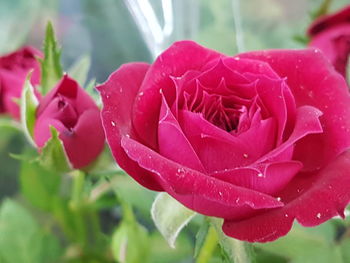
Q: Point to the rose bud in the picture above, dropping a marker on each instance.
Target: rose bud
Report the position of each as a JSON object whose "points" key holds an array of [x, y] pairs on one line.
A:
{"points": [[76, 117], [14, 68], [331, 34], [258, 139]]}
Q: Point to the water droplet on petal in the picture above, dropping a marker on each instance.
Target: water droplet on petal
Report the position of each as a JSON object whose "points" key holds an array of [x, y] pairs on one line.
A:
{"points": [[245, 155], [260, 175], [278, 198], [318, 215], [180, 172], [113, 123]]}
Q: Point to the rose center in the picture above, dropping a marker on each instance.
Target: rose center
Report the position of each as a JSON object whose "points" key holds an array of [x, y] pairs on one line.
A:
{"points": [[216, 108], [66, 113]]}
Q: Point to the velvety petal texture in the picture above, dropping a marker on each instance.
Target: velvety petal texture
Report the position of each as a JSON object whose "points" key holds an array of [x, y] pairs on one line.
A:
{"points": [[75, 115], [14, 68], [331, 34], [256, 139]]}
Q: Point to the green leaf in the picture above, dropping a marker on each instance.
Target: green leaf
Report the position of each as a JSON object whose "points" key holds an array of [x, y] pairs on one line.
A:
{"points": [[9, 123], [21, 239], [161, 252], [29, 103], [170, 217], [302, 39], [306, 245], [39, 185], [233, 250], [209, 244], [200, 237], [322, 10], [130, 242], [80, 69], [51, 68], [53, 155]]}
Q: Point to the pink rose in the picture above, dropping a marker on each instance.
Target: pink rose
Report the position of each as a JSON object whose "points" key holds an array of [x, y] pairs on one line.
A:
{"points": [[14, 68], [75, 115], [256, 139], [331, 34]]}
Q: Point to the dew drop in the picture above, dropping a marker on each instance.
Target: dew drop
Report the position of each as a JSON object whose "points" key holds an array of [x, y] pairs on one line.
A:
{"points": [[113, 123], [260, 175], [245, 155], [141, 94], [180, 172], [318, 215], [220, 193], [236, 58], [127, 135], [286, 215], [278, 198], [311, 94]]}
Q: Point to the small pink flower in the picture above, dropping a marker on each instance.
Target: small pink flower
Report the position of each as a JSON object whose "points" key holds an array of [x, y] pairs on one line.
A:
{"points": [[75, 115], [331, 34], [258, 139], [14, 68]]}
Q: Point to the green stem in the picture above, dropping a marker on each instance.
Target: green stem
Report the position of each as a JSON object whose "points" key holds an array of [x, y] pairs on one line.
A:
{"points": [[77, 207], [78, 188], [87, 225], [236, 250], [208, 248]]}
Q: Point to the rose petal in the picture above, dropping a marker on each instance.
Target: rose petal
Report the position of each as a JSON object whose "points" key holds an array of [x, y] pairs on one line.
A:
{"points": [[269, 178], [175, 61], [172, 142], [307, 122], [85, 142], [256, 67], [325, 41], [326, 197], [261, 137], [42, 131], [195, 190], [216, 148], [328, 21], [319, 86], [72, 93], [118, 95]]}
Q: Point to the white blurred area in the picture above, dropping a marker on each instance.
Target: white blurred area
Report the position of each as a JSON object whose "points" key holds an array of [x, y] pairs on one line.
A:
{"points": [[118, 31]]}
